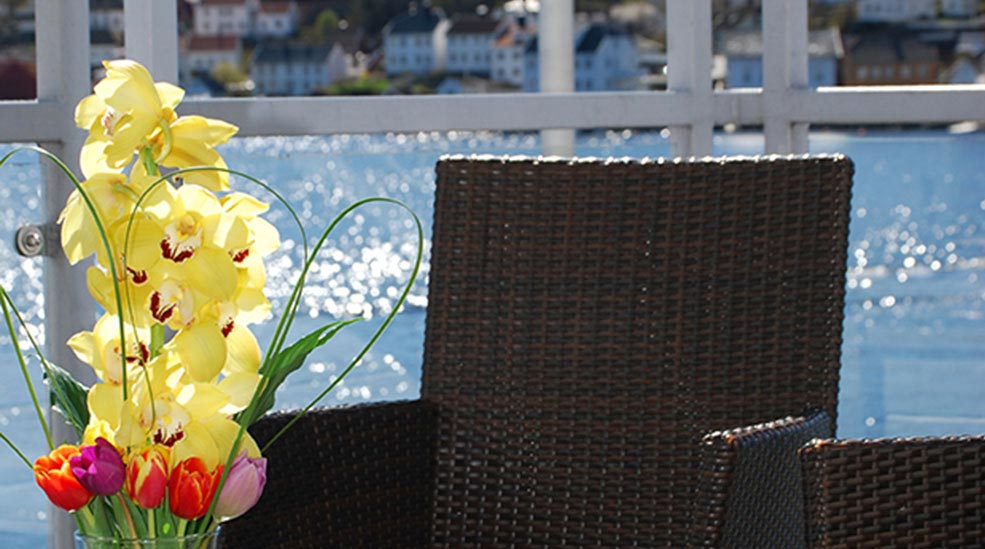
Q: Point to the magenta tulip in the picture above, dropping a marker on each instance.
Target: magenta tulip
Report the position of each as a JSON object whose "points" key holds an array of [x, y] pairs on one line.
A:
{"points": [[247, 477], [99, 468]]}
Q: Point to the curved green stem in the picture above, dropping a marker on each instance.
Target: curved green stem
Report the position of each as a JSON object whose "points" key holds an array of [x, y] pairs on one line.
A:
{"points": [[17, 451], [383, 326], [27, 377], [102, 235], [37, 348], [288, 317], [280, 329]]}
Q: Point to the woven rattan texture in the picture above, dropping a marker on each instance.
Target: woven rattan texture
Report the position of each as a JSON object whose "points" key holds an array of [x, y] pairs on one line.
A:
{"points": [[751, 489], [345, 477], [895, 493], [588, 322]]}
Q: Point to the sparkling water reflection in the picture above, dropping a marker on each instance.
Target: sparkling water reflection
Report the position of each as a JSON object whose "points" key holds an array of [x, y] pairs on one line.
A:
{"points": [[914, 333]]}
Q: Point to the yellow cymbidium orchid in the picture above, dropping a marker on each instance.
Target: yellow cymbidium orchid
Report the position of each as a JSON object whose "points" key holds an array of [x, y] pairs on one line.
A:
{"points": [[100, 349], [129, 112], [167, 408]]}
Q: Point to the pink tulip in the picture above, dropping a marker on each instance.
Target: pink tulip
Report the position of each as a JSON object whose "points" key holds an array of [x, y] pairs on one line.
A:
{"points": [[99, 468], [247, 477]]}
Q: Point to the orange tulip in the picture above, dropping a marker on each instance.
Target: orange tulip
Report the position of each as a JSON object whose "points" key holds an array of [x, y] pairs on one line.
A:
{"points": [[147, 477], [191, 487], [53, 474]]}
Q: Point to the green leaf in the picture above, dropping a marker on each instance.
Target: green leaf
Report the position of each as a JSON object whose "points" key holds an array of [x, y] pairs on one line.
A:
{"points": [[68, 396], [276, 369]]}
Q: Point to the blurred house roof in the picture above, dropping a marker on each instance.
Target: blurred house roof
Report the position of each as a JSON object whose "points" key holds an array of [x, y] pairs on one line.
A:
{"points": [[213, 43], [415, 21], [473, 24], [888, 45], [286, 52], [593, 35], [276, 7]]}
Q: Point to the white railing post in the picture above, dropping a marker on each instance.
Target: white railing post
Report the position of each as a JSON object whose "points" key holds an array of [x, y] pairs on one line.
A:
{"points": [[784, 73], [689, 72], [151, 32], [556, 59], [63, 79]]}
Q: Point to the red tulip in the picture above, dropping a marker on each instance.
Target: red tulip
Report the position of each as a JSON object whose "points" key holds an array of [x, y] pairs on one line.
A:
{"points": [[191, 487], [147, 477], [53, 474]]}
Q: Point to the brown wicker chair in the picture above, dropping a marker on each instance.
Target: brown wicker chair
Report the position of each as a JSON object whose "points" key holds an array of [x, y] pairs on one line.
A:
{"points": [[588, 323], [918, 492]]}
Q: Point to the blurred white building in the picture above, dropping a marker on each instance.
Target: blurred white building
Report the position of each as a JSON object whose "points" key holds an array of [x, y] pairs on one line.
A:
{"points": [[507, 57], [959, 8], [605, 59], [470, 45], [106, 15], [276, 19], [223, 17], [296, 69], [201, 54], [416, 41], [895, 11]]}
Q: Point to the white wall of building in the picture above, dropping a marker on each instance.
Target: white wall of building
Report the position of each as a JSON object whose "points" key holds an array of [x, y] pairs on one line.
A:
{"points": [[614, 65], [110, 20], [469, 53], [277, 24], [895, 10], [959, 8], [222, 19], [506, 64]]}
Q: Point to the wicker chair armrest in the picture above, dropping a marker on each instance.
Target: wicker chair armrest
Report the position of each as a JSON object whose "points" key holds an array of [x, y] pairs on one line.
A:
{"points": [[355, 476], [912, 492], [750, 487]]}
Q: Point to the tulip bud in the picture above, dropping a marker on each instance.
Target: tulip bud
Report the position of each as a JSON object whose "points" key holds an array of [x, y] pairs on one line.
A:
{"points": [[99, 468], [191, 487], [147, 477], [244, 484], [53, 474]]}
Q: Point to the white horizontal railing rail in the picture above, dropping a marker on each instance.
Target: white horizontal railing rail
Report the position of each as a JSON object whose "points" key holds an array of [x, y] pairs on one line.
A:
{"points": [[26, 121], [784, 107]]}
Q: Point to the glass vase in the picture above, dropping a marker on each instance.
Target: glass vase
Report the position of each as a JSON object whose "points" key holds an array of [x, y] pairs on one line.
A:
{"points": [[208, 540]]}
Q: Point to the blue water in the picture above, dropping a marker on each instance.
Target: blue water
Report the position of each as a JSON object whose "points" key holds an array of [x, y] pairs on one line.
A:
{"points": [[914, 351]]}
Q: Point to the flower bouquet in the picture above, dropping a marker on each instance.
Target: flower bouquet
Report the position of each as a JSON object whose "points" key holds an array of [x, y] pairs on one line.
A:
{"points": [[164, 453]]}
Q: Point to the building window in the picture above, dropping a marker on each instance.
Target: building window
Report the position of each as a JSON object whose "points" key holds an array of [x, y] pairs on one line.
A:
{"points": [[904, 71], [862, 73], [877, 72]]}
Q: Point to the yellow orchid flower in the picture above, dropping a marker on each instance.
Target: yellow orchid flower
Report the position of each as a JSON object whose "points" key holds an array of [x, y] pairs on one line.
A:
{"points": [[129, 112], [169, 409], [100, 349]]}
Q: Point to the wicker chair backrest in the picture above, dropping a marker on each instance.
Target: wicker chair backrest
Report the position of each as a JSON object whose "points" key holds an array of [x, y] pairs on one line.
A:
{"points": [[590, 321]]}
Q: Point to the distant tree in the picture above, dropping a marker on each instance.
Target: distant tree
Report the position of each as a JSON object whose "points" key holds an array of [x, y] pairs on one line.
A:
{"points": [[327, 21], [226, 73], [324, 24]]}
